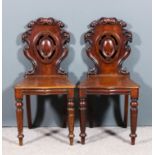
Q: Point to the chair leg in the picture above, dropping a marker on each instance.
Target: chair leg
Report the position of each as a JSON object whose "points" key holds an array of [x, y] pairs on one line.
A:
{"points": [[28, 108], [134, 113], [19, 116], [82, 119], [126, 111], [70, 109]]}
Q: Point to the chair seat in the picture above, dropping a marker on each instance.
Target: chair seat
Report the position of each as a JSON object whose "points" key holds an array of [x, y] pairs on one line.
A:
{"points": [[108, 82], [44, 82]]}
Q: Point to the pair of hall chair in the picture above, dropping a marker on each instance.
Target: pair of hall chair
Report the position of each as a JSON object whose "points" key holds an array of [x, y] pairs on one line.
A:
{"points": [[107, 47]]}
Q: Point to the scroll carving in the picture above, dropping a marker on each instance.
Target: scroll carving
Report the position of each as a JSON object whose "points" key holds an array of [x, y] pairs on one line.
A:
{"points": [[108, 45], [45, 47]]}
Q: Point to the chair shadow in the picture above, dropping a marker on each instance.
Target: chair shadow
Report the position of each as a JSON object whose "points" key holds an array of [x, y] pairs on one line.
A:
{"points": [[49, 134], [58, 136], [98, 106], [105, 133], [58, 103], [55, 134], [9, 140]]}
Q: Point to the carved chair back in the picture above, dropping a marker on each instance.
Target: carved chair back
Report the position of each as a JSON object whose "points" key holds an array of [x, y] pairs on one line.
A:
{"points": [[108, 45], [45, 46]]}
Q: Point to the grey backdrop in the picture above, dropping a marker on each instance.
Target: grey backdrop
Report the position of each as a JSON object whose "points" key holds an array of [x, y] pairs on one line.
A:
{"points": [[77, 15]]}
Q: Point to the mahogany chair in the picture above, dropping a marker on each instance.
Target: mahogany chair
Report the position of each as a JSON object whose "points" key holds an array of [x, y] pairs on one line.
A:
{"points": [[108, 47], [46, 48]]}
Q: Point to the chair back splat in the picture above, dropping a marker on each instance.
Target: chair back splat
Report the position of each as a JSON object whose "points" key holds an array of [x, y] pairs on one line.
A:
{"points": [[45, 46], [108, 45]]}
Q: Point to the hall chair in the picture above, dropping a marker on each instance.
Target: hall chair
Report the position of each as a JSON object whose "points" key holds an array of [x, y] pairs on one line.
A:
{"points": [[46, 47], [107, 46]]}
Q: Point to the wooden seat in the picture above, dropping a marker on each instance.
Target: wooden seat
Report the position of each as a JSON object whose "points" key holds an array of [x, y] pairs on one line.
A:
{"points": [[108, 47], [45, 47], [108, 82], [45, 82]]}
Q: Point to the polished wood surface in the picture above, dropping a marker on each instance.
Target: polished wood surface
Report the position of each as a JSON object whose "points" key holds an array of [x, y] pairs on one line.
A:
{"points": [[107, 46], [46, 47], [45, 82], [108, 82]]}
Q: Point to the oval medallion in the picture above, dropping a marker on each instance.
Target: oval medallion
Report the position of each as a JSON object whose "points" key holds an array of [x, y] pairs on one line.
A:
{"points": [[45, 47], [108, 49]]}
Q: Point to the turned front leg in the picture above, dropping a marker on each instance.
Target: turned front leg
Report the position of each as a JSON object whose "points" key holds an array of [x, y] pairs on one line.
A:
{"points": [[71, 119], [19, 116], [82, 119], [134, 114]]}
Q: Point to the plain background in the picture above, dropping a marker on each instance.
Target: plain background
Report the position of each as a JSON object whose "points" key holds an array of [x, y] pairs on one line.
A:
{"points": [[77, 15]]}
